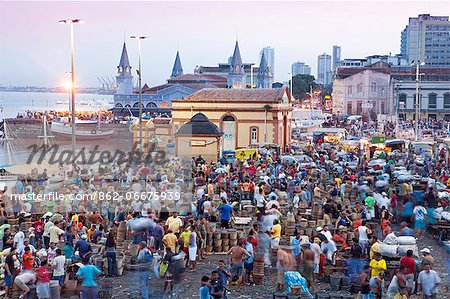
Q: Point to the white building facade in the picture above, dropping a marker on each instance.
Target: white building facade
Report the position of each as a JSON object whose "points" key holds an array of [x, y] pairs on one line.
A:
{"points": [[363, 93], [434, 99]]}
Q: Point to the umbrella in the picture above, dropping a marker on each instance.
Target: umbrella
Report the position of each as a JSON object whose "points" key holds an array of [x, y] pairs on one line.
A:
{"points": [[221, 170]]}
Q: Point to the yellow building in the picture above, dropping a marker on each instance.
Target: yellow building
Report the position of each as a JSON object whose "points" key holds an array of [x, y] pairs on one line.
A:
{"points": [[245, 116]]}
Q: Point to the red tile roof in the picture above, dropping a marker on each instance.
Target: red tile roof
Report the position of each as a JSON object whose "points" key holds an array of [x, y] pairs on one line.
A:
{"points": [[235, 95]]}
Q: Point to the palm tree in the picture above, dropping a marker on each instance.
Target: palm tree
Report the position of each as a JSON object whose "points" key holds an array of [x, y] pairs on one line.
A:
{"points": [[266, 107]]}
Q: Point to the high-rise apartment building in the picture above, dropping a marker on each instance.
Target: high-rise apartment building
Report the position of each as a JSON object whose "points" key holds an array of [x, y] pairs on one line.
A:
{"points": [[324, 73], [300, 68], [427, 39], [336, 56]]}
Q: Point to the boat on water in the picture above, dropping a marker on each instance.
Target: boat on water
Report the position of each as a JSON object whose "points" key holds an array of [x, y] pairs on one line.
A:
{"points": [[64, 131], [305, 121]]}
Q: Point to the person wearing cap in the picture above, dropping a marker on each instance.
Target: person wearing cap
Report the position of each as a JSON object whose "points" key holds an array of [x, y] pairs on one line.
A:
{"points": [[84, 248], [427, 258]]}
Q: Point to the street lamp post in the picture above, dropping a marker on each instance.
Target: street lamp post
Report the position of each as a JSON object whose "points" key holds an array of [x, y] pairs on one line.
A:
{"points": [[290, 85], [418, 64], [72, 54], [139, 71]]}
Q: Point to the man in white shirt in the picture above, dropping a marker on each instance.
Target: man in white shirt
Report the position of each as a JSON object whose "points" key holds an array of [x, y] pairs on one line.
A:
{"points": [[260, 201], [19, 240], [428, 282], [329, 248], [317, 252], [326, 232], [363, 238], [46, 233], [58, 267]]}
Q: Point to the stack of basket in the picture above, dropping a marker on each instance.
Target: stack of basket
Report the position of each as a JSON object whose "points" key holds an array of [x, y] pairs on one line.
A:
{"points": [[258, 269], [315, 212], [233, 237], [218, 240], [225, 241], [121, 233], [209, 242]]}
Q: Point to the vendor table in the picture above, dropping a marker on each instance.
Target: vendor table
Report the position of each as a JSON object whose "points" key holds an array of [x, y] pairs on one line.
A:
{"points": [[442, 229]]}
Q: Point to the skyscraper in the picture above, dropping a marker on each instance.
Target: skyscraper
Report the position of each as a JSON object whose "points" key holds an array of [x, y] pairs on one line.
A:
{"points": [[300, 68], [324, 73], [336, 56], [269, 54], [427, 39]]}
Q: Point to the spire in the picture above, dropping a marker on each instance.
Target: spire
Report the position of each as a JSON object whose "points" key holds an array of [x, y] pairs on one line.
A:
{"points": [[264, 74], [124, 62], [263, 68], [236, 60], [177, 69]]}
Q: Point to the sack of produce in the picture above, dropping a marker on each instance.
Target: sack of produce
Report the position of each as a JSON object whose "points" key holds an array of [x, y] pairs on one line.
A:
{"points": [[388, 250], [406, 240]]}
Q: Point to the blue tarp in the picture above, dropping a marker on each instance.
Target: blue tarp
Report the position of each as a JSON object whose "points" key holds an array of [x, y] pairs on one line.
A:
{"points": [[293, 278]]}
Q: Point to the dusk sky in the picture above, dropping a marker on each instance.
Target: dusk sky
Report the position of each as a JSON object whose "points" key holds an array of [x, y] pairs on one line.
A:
{"points": [[34, 48]]}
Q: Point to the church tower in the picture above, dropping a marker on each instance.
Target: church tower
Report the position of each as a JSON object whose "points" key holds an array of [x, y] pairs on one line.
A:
{"points": [[264, 73], [124, 78], [177, 69], [236, 74]]}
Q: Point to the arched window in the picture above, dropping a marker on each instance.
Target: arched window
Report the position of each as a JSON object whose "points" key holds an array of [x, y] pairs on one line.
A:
{"points": [[127, 106], [136, 105], [228, 118], [119, 105], [432, 101], [447, 101], [151, 105]]}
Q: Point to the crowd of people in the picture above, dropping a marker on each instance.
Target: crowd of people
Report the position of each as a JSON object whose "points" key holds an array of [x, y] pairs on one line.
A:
{"points": [[348, 201]]}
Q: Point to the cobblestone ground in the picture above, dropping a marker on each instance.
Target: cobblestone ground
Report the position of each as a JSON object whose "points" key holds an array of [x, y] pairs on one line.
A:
{"points": [[126, 286]]}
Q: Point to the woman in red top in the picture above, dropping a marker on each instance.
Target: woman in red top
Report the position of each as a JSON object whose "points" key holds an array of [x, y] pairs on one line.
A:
{"points": [[43, 281]]}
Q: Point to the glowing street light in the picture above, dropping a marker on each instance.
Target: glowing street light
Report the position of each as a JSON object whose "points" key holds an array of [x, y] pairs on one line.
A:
{"points": [[139, 71], [71, 22]]}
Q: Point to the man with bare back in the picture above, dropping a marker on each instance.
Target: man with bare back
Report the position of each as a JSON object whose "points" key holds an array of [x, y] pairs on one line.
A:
{"points": [[238, 255], [307, 259]]}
